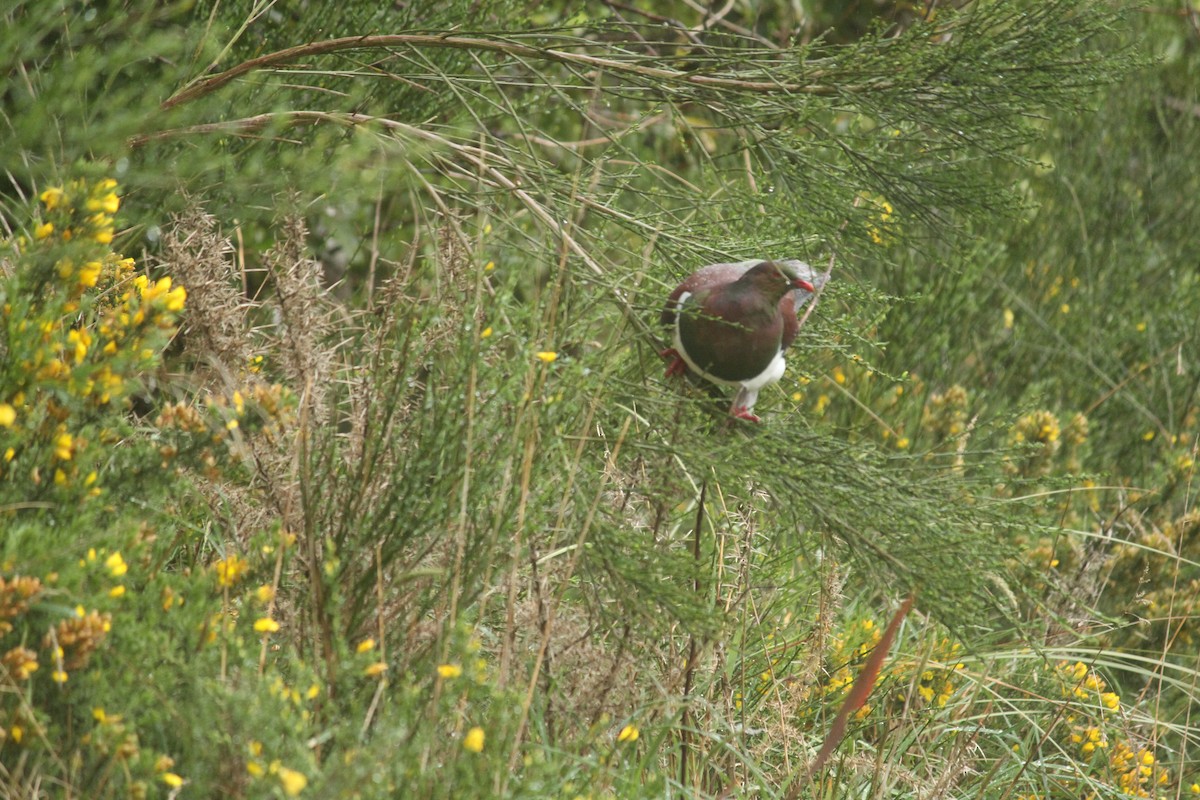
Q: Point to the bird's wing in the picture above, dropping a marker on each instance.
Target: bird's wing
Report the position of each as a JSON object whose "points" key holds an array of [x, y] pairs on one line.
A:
{"points": [[704, 278], [718, 274], [727, 350]]}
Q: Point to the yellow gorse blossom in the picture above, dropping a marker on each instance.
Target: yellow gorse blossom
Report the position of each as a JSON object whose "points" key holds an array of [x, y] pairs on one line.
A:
{"points": [[89, 274], [116, 565], [51, 197], [230, 570], [20, 662], [473, 741], [108, 203], [293, 782], [62, 447]]}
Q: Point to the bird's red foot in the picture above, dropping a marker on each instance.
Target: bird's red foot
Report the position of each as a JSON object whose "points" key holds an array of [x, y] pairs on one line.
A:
{"points": [[741, 412], [677, 366]]}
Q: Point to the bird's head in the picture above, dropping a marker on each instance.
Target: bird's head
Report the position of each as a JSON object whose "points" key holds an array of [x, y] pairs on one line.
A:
{"points": [[775, 279]]}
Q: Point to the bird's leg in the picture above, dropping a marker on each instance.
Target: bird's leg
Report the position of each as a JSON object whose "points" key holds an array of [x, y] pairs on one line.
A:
{"points": [[677, 366], [744, 413], [743, 404]]}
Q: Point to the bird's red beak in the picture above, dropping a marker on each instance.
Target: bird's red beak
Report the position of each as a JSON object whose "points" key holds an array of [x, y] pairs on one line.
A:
{"points": [[800, 283]]}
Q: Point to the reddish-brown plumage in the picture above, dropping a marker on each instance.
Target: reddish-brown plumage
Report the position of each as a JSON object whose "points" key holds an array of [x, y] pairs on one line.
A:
{"points": [[731, 324], [722, 274]]}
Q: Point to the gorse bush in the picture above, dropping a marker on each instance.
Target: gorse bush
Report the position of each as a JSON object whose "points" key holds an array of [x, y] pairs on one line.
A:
{"points": [[360, 479], [81, 332]]}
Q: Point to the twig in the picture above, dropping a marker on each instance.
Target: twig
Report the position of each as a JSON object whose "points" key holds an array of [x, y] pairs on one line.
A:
{"points": [[685, 735], [204, 86], [858, 694]]}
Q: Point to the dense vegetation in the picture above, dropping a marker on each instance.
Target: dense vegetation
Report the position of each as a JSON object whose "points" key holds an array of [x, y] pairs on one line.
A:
{"points": [[336, 458]]}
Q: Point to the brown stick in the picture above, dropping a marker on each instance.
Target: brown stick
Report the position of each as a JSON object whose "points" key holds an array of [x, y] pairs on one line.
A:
{"points": [[685, 734], [860, 691]]}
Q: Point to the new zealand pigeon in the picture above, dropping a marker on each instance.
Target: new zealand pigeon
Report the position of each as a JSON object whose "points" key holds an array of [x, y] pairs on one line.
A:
{"points": [[731, 323]]}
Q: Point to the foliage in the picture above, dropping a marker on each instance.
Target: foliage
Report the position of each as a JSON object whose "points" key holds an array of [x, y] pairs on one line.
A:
{"points": [[360, 479]]}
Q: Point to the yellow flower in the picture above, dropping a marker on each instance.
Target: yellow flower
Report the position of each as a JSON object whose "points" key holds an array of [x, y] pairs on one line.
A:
{"points": [[473, 741], [176, 298], [486, 332], [62, 447], [1110, 700], [266, 625], [902, 443], [449, 670], [365, 645], [376, 669], [1009, 319], [109, 203], [264, 593], [488, 267], [628, 734], [117, 591], [89, 273], [21, 661], [8, 415], [58, 676], [230, 570], [51, 197], [547, 356], [255, 769], [43, 230], [172, 780], [116, 565], [293, 782], [312, 692]]}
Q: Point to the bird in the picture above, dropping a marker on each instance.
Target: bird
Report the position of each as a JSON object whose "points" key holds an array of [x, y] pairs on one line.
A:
{"points": [[731, 323]]}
